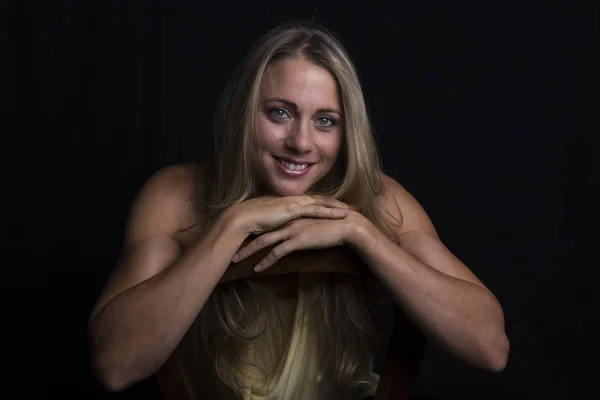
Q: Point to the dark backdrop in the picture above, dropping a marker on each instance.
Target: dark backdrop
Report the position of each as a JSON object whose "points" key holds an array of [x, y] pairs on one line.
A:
{"points": [[486, 111]]}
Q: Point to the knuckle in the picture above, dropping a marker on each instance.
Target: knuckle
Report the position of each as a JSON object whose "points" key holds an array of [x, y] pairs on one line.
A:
{"points": [[292, 208], [276, 253], [262, 240]]}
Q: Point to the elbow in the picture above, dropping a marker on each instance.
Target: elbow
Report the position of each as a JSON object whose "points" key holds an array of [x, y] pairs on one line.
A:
{"points": [[116, 370], [111, 384], [497, 354], [110, 378], [116, 374], [104, 369], [109, 371], [496, 348]]}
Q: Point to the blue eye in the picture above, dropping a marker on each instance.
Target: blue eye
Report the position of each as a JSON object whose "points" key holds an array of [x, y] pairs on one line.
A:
{"points": [[277, 113], [325, 122]]}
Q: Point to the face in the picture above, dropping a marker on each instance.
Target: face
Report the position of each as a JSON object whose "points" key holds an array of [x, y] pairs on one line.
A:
{"points": [[299, 126]]}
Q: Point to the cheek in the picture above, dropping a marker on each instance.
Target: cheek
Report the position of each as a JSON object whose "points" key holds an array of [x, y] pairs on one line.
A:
{"points": [[333, 145], [268, 134], [261, 131]]}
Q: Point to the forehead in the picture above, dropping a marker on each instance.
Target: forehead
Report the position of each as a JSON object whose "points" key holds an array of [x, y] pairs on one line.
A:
{"points": [[301, 82]]}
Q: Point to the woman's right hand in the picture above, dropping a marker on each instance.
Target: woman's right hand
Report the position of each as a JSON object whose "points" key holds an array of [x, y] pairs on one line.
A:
{"points": [[267, 213]]}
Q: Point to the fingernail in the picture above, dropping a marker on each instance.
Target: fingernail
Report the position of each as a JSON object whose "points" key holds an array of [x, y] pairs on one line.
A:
{"points": [[257, 268]]}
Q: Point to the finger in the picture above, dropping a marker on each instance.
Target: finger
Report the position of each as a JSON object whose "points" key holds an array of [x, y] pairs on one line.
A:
{"points": [[275, 255], [331, 202], [325, 201], [263, 241], [315, 211]]}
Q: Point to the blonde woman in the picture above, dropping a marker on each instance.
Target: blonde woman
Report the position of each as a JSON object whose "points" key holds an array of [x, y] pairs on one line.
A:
{"points": [[295, 171]]}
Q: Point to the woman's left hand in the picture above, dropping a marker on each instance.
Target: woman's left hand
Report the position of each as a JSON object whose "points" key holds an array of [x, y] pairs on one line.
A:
{"points": [[300, 234]]}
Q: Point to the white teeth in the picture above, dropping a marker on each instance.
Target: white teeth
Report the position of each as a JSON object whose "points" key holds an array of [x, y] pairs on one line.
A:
{"points": [[293, 167]]}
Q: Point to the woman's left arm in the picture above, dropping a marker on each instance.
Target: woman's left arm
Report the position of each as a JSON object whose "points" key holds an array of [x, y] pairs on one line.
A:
{"points": [[434, 288]]}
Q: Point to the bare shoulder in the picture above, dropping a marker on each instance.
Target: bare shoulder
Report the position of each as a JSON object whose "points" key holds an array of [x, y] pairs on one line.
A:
{"points": [[417, 234], [399, 204], [163, 205], [167, 203]]}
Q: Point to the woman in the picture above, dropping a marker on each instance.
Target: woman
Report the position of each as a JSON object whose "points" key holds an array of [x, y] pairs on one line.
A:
{"points": [[295, 169]]}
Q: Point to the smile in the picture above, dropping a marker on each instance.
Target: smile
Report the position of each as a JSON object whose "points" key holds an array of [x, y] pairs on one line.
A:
{"points": [[291, 169]]}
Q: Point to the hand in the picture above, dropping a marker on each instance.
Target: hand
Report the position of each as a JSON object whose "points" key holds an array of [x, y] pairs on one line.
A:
{"points": [[301, 234], [267, 213]]}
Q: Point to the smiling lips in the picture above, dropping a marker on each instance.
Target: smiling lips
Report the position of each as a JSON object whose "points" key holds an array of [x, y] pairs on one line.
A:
{"points": [[291, 169]]}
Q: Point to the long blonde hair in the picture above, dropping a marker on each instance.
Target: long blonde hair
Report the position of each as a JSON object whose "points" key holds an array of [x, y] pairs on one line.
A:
{"points": [[239, 312]]}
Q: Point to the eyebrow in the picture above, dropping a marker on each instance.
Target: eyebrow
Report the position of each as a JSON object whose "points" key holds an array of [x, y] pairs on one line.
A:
{"points": [[293, 105]]}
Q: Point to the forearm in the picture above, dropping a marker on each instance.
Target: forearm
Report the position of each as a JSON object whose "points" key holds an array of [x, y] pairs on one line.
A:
{"points": [[137, 331], [461, 316]]}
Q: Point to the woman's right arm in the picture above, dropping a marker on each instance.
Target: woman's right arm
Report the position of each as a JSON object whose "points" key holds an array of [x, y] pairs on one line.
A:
{"points": [[155, 291]]}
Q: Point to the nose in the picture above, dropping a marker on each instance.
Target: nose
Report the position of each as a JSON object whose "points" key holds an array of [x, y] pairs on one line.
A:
{"points": [[299, 138]]}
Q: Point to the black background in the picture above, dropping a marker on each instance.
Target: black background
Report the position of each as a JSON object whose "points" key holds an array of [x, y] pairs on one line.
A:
{"points": [[487, 112]]}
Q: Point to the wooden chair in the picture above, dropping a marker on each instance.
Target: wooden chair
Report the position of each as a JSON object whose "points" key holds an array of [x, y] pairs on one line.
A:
{"points": [[404, 352]]}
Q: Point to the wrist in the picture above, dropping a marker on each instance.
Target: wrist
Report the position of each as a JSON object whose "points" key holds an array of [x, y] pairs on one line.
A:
{"points": [[232, 223], [357, 230]]}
